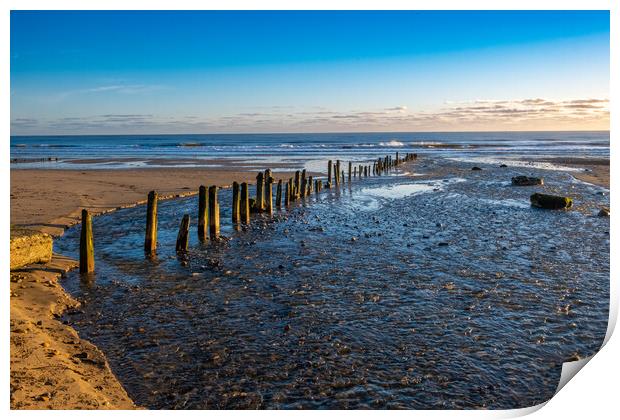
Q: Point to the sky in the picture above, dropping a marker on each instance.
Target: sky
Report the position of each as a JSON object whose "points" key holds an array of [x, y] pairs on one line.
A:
{"points": [[147, 72]]}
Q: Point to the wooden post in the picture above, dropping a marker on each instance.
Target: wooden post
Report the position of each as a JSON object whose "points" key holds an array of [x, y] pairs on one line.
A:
{"points": [[267, 176], [396, 158], [291, 191], [87, 247], [245, 203], [279, 194], [183, 235], [329, 171], [350, 166], [355, 172], [297, 183], [287, 196], [338, 172], [310, 185], [303, 188], [214, 213], [260, 196], [317, 189], [342, 173], [150, 239], [269, 196], [235, 203], [203, 217]]}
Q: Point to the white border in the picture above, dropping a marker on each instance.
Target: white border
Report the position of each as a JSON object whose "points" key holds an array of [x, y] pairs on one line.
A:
{"points": [[593, 394]]}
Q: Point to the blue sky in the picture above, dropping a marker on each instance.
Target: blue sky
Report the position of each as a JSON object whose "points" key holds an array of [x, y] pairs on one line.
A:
{"points": [[203, 72]]}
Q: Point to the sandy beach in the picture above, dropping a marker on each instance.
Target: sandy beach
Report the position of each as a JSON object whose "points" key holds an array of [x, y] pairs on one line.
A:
{"points": [[596, 170], [51, 200], [51, 366]]}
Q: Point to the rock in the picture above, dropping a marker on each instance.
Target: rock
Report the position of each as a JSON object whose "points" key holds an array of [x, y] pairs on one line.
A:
{"points": [[503, 165], [28, 247], [476, 168], [604, 212], [553, 202], [522, 181]]}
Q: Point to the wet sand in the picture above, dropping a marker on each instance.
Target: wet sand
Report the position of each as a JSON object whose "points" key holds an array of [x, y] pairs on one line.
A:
{"points": [[51, 367], [297, 311], [596, 170]]}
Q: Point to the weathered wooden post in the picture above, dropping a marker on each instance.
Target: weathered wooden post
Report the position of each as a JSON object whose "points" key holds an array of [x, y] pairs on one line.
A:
{"points": [[303, 188], [297, 183], [350, 167], [203, 217], [397, 159], [235, 202], [260, 195], [183, 235], [317, 189], [365, 171], [287, 196], [87, 247], [150, 238], [214, 213], [267, 176], [338, 179], [269, 196], [291, 191], [355, 172], [279, 194], [329, 171], [310, 189], [245, 203]]}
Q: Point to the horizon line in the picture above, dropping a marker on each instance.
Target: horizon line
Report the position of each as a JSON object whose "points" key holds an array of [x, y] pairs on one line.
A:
{"points": [[302, 132]]}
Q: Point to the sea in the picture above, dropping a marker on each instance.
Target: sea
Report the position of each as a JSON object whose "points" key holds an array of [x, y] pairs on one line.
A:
{"points": [[134, 151]]}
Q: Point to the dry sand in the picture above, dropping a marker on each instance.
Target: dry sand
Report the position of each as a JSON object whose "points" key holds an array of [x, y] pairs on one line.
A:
{"points": [[51, 367]]}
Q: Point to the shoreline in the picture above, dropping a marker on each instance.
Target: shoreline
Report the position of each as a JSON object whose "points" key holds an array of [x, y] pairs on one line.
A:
{"points": [[51, 367], [38, 300], [81, 378], [50, 200]]}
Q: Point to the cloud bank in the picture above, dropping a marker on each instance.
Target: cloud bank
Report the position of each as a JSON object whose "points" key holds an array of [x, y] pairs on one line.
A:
{"points": [[478, 115]]}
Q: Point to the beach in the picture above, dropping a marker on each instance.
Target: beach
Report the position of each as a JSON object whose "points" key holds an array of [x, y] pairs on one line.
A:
{"points": [[45, 372], [51, 200], [109, 190]]}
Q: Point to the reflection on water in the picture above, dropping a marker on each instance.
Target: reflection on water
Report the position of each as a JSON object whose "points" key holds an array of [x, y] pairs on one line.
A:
{"points": [[441, 293]]}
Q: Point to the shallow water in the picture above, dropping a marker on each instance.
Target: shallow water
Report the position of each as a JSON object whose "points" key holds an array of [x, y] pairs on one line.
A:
{"points": [[439, 290], [309, 149]]}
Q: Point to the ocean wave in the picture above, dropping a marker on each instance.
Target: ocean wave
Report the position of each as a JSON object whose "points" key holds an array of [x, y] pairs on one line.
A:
{"points": [[391, 143]]}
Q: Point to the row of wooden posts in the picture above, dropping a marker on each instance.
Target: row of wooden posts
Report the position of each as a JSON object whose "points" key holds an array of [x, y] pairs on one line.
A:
{"points": [[298, 186]]}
